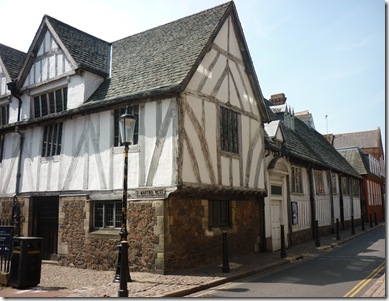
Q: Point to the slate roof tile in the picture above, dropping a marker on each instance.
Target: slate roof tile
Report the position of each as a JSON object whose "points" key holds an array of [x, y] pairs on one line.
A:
{"points": [[13, 60], [159, 58], [89, 52]]}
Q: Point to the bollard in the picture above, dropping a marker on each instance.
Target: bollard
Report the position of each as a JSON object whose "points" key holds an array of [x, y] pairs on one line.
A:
{"points": [[371, 221], [337, 229], [363, 222], [283, 248], [352, 225], [226, 266], [317, 243], [375, 218]]}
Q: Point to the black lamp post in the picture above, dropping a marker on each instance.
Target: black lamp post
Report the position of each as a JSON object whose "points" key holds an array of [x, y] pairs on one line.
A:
{"points": [[126, 127]]}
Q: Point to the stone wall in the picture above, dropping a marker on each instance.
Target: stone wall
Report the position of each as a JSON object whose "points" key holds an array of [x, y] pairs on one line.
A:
{"points": [[143, 235], [189, 242], [76, 247], [81, 247]]}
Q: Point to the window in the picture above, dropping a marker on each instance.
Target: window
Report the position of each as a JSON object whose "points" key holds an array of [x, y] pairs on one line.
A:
{"points": [[334, 183], [107, 215], [345, 187], [119, 112], [219, 213], [276, 190], [297, 180], [51, 102], [229, 131], [52, 137], [355, 188], [2, 137], [4, 117], [319, 182]]}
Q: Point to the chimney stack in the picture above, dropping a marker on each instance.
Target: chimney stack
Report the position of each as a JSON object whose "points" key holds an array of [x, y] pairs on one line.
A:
{"points": [[278, 99]]}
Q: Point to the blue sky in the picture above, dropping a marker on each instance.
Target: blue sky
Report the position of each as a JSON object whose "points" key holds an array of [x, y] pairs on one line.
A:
{"points": [[327, 56]]}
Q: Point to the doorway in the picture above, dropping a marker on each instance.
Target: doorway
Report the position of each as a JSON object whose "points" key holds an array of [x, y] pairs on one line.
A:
{"points": [[45, 224]]}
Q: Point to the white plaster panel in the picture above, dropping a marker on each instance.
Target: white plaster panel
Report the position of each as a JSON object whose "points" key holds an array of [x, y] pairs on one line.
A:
{"points": [[234, 46], [187, 169], [163, 174], [225, 170], [3, 86], [60, 66], [235, 172], [203, 70], [47, 41], [52, 66], [221, 38], [150, 130], [216, 72], [45, 68], [67, 66], [222, 94], [211, 126]]}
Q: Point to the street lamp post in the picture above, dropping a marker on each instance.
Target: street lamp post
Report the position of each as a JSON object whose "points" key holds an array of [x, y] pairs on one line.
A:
{"points": [[126, 127]]}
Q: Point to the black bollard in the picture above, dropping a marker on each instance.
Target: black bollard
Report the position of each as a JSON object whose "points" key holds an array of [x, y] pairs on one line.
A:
{"points": [[317, 243], [371, 221], [283, 248], [375, 218], [337, 229], [226, 266], [352, 225], [363, 222]]}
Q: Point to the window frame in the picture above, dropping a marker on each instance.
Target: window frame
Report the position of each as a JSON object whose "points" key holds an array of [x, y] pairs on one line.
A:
{"points": [[345, 184], [49, 102], [297, 182], [334, 183], [52, 136], [229, 130], [116, 214], [356, 188], [116, 115], [219, 213], [319, 182]]}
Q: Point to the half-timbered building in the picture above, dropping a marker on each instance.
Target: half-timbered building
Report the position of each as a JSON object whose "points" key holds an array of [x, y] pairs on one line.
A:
{"points": [[196, 167], [310, 185]]}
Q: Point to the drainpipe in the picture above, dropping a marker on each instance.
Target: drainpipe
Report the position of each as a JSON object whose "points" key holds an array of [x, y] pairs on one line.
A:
{"points": [[312, 200], [329, 178], [15, 207]]}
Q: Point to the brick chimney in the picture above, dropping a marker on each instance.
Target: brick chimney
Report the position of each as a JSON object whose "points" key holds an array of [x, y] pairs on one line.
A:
{"points": [[278, 99]]}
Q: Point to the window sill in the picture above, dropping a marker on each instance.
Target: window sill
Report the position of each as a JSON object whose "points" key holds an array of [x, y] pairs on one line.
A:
{"points": [[106, 233]]}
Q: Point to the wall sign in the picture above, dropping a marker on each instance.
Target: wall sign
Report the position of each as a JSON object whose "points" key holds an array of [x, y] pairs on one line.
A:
{"points": [[295, 214], [6, 234]]}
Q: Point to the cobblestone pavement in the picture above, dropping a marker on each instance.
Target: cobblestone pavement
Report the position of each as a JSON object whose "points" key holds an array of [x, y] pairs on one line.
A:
{"points": [[59, 281]]}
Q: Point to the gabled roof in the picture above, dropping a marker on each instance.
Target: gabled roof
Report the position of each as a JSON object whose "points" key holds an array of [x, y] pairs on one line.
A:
{"points": [[365, 139], [12, 59], [160, 58], [357, 158], [164, 58], [306, 144], [85, 51]]}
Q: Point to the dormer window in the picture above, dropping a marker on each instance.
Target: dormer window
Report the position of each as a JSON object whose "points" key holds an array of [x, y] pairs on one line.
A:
{"points": [[50, 102]]}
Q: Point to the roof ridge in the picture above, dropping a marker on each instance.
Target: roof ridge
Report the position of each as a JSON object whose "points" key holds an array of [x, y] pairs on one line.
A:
{"points": [[177, 20], [72, 27]]}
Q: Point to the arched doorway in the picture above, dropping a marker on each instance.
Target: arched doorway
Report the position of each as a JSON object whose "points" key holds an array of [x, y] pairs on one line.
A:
{"points": [[279, 171]]}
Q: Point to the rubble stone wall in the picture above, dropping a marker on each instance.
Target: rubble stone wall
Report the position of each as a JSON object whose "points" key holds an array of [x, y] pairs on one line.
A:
{"points": [[189, 242]]}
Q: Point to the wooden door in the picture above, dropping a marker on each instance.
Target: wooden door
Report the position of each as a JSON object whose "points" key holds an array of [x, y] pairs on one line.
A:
{"points": [[45, 210]]}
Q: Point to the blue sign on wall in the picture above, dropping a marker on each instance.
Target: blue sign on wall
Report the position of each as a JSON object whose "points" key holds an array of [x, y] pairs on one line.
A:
{"points": [[6, 234]]}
